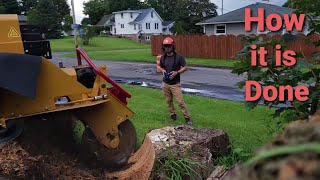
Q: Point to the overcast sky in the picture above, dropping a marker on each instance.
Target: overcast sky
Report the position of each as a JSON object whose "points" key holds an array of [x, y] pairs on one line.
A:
{"points": [[228, 5]]}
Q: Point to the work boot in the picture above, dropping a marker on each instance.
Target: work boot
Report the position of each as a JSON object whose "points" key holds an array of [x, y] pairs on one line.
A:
{"points": [[173, 117], [189, 121]]}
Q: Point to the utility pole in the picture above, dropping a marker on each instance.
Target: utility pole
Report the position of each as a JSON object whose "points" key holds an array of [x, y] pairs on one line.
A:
{"points": [[222, 7], [74, 22]]}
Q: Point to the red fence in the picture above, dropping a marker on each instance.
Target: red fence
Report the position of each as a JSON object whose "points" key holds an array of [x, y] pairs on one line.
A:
{"points": [[225, 47]]}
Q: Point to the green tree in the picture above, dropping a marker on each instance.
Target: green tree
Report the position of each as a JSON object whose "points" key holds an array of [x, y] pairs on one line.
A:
{"points": [[62, 8], [27, 5], [67, 22], [2, 10], [119, 5], [287, 4], [45, 13], [96, 9], [166, 9], [9, 7], [186, 12], [311, 9], [85, 21], [87, 33]]}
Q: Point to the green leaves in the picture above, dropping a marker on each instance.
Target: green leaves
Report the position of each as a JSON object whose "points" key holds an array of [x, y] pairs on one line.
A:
{"points": [[316, 56], [301, 63], [304, 72], [251, 105]]}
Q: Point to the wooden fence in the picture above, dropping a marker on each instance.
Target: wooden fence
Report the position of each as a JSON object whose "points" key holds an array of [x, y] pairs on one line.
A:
{"points": [[226, 47]]}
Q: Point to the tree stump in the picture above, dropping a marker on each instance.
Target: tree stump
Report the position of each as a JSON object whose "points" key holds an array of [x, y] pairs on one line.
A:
{"points": [[198, 145]]}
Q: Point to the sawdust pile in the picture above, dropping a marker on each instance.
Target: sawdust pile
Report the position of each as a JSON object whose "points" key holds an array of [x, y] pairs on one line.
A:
{"points": [[44, 151]]}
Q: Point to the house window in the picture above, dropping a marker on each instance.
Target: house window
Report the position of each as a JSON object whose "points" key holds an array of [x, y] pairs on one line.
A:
{"points": [[147, 37], [122, 15], [122, 26], [221, 29], [135, 28], [147, 25], [140, 26], [156, 25], [131, 15], [151, 14], [115, 30]]}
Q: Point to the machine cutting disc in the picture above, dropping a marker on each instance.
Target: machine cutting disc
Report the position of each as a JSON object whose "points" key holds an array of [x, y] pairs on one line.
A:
{"points": [[13, 130], [93, 151]]}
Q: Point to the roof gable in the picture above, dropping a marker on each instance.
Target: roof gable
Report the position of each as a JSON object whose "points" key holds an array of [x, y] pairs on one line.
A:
{"points": [[238, 15], [144, 13], [105, 19], [166, 23]]}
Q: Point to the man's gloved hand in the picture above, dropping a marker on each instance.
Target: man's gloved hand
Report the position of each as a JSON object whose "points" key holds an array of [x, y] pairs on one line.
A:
{"points": [[167, 75], [173, 74]]}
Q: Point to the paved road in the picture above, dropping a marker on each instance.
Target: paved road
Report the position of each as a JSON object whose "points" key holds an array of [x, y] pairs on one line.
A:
{"points": [[212, 82]]}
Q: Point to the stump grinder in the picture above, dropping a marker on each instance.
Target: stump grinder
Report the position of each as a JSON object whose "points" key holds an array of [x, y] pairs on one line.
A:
{"points": [[32, 86]]}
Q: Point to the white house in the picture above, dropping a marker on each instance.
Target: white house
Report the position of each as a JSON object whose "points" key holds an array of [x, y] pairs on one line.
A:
{"points": [[137, 24]]}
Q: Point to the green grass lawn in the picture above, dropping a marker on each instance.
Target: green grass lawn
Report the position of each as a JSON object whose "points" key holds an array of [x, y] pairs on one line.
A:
{"points": [[144, 55], [97, 44], [246, 129], [121, 49]]}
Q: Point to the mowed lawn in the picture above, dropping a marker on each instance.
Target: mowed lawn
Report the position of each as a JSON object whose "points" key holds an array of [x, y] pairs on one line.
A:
{"points": [[121, 49], [246, 129], [97, 44], [144, 55]]}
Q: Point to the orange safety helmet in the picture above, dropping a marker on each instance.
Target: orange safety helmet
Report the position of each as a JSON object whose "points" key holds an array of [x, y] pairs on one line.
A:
{"points": [[168, 41]]}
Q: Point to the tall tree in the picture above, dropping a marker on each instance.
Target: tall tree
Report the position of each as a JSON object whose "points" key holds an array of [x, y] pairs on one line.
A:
{"points": [[2, 9], [186, 13], [61, 6], [166, 9], [27, 5], [45, 13], [96, 9], [67, 22], [9, 7], [119, 5], [310, 8]]}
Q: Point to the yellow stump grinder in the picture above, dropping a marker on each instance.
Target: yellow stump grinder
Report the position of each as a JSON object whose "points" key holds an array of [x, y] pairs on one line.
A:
{"points": [[31, 85]]}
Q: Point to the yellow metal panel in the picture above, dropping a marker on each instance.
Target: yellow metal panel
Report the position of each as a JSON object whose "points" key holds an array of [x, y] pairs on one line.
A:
{"points": [[71, 72], [104, 119], [52, 83], [10, 34]]}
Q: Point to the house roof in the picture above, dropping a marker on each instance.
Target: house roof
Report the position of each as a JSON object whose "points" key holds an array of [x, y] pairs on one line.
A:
{"points": [[166, 23], [238, 15], [142, 15], [105, 19]]}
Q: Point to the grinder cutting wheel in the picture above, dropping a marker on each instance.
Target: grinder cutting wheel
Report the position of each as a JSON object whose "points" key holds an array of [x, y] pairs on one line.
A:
{"points": [[36, 87]]}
